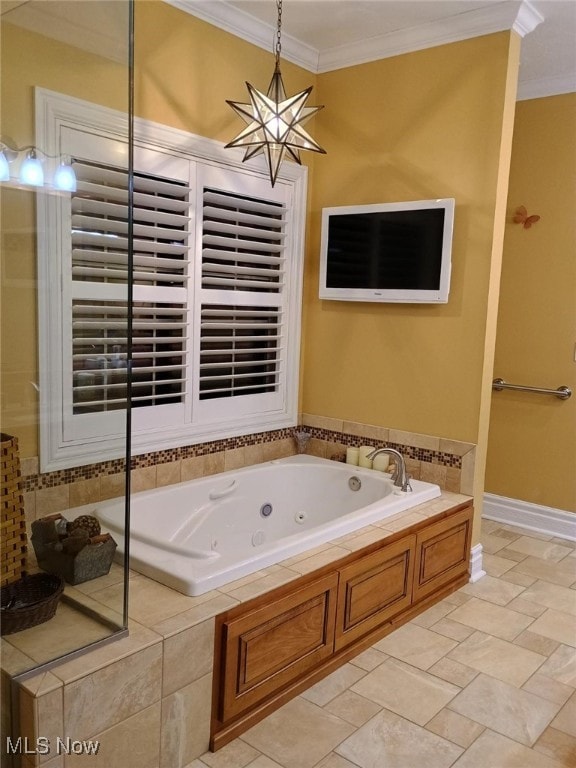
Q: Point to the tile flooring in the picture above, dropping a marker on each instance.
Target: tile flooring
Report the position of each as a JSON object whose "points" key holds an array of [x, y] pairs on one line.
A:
{"points": [[484, 679]]}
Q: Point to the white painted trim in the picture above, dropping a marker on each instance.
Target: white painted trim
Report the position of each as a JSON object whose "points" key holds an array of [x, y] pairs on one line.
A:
{"points": [[54, 110], [546, 86], [476, 570], [527, 19], [522, 17], [533, 517]]}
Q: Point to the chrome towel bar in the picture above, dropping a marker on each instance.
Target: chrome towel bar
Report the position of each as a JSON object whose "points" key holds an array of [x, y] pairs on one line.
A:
{"points": [[562, 392]]}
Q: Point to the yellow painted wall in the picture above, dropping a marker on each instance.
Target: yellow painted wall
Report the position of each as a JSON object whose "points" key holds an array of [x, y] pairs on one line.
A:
{"points": [[422, 125], [185, 69], [532, 443]]}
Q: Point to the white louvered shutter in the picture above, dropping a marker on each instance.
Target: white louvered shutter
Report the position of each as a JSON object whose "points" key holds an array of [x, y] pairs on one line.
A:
{"points": [[99, 310], [241, 297]]}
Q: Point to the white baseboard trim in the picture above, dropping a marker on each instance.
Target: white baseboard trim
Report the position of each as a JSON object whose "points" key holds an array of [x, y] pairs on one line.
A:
{"points": [[476, 570], [533, 517]]}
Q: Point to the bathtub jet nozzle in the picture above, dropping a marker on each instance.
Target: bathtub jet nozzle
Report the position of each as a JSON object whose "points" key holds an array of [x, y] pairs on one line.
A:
{"points": [[266, 510], [355, 483]]}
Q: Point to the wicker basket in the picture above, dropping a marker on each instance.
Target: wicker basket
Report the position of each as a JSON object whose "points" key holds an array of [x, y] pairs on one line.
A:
{"points": [[29, 601], [13, 524]]}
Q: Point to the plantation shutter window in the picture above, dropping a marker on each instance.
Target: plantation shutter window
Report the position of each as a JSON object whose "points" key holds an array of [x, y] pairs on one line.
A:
{"points": [[240, 351], [242, 243], [99, 355], [241, 296], [99, 275], [217, 258]]}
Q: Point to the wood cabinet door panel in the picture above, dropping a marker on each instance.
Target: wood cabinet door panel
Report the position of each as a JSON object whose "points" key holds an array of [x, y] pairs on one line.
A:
{"points": [[442, 553], [277, 644], [373, 589], [271, 646]]}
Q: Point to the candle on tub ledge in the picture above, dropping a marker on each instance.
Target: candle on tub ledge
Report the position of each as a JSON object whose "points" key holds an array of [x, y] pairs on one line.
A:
{"points": [[381, 462], [363, 451], [352, 456]]}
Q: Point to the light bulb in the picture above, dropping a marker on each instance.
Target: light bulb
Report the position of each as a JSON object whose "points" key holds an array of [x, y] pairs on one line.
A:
{"points": [[31, 171], [4, 169], [65, 178]]}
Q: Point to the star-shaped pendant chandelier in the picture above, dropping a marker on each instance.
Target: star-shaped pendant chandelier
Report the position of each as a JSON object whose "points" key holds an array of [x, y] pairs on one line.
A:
{"points": [[274, 122]]}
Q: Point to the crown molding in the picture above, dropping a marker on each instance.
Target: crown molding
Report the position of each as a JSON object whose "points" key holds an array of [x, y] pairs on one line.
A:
{"points": [[546, 86], [523, 18], [527, 19], [520, 16]]}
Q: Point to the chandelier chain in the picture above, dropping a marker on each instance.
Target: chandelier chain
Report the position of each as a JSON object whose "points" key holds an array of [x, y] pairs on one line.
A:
{"points": [[278, 47]]}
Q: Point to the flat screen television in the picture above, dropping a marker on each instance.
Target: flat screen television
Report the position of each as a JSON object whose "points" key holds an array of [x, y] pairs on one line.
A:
{"points": [[389, 252]]}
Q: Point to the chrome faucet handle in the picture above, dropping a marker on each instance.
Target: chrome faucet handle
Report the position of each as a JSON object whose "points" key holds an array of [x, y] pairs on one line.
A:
{"points": [[406, 487]]}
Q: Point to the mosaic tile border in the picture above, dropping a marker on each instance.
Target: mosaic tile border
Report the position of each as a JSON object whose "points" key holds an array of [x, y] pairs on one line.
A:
{"points": [[38, 482], [408, 451]]}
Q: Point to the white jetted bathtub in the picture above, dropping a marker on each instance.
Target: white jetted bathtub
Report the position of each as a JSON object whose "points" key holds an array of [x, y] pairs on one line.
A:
{"points": [[201, 534]]}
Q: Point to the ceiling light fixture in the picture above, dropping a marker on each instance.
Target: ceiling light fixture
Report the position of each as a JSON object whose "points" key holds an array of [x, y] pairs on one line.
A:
{"points": [[274, 122]]}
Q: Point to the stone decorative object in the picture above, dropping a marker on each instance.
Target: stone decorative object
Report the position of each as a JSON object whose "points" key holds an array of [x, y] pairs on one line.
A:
{"points": [[70, 550], [89, 523]]}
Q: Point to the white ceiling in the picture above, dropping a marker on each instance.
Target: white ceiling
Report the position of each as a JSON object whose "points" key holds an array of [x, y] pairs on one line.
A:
{"points": [[322, 35]]}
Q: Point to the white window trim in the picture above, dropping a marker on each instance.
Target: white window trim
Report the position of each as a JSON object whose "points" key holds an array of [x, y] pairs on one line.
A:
{"points": [[55, 111]]}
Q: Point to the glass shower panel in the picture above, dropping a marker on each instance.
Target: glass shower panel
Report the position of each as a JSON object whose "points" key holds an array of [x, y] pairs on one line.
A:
{"points": [[65, 267]]}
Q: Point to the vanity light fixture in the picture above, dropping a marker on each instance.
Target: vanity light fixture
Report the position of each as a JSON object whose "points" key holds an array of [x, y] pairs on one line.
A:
{"points": [[31, 171], [274, 122], [65, 178], [4, 167]]}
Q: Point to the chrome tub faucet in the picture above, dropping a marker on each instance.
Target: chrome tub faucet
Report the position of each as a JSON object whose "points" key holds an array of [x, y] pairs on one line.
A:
{"points": [[400, 477]]}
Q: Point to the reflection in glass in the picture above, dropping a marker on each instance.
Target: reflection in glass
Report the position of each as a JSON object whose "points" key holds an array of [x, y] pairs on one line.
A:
{"points": [[75, 51]]}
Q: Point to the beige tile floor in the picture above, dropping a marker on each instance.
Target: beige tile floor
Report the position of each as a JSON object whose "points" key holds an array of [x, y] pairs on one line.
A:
{"points": [[484, 679]]}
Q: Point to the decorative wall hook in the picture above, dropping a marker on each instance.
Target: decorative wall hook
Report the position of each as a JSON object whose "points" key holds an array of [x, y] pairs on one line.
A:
{"points": [[521, 217]]}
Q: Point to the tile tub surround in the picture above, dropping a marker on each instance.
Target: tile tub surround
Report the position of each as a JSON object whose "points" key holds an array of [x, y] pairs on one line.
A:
{"points": [[448, 463], [154, 688], [467, 697]]}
